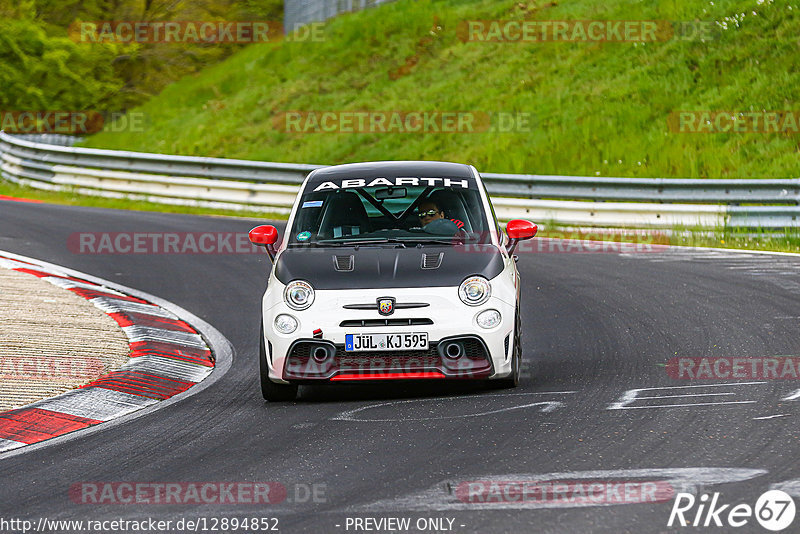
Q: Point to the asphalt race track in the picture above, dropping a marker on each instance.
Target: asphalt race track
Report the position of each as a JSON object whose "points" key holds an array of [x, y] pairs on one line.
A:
{"points": [[596, 326]]}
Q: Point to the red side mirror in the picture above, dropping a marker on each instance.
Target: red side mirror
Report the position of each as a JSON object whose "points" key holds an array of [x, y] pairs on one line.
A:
{"points": [[521, 229], [264, 235]]}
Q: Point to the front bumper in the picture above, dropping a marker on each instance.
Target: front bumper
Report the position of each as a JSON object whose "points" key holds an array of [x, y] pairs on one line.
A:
{"points": [[455, 357], [291, 358]]}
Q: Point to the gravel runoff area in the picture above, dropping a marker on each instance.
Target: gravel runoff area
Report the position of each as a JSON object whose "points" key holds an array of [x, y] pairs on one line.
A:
{"points": [[51, 340]]}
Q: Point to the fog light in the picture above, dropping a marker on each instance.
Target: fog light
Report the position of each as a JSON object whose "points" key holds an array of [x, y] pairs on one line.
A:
{"points": [[285, 324], [489, 319]]}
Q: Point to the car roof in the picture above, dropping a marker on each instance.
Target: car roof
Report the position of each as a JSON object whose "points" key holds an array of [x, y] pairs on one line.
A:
{"points": [[391, 169]]}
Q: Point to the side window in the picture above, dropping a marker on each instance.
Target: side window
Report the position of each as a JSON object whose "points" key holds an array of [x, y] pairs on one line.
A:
{"points": [[308, 214]]}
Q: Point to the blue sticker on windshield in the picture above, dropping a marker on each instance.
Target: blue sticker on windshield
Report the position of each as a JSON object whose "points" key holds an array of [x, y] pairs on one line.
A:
{"points": [[303, 236], [312, 204]]}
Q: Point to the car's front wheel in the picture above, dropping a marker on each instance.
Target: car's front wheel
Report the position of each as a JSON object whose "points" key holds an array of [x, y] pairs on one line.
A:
{"points": [[512, 380], [270, 390]]}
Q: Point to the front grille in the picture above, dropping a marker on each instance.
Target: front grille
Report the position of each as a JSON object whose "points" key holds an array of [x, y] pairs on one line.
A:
{"points": [[384, 322], [301, 350], [394, 361], [474, 349], [389, 354]]}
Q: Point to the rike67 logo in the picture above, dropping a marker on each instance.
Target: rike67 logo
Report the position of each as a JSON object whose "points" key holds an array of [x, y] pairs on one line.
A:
{"points": [[774, 510]]}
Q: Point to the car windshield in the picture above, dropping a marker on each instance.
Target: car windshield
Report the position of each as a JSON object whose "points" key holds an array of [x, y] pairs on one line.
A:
{"points": [[426, 210]]}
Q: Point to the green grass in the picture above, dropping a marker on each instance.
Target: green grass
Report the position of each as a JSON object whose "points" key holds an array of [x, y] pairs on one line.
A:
{"points": [[599, 109], [787, 240], [70, 198], [723, 237]]}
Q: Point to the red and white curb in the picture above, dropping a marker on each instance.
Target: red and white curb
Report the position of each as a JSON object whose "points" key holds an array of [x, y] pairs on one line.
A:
{"points": [[168, 357]]}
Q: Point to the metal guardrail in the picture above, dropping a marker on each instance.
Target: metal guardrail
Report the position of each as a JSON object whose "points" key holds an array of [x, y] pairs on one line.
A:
{"points": [[50, 138], [262, 186], [707, 191]]}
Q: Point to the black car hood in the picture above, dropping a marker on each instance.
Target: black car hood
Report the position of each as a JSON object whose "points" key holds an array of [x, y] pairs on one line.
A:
{"points": [[368, 267]]}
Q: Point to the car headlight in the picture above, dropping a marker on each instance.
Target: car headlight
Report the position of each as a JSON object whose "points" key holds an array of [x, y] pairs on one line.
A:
{"points": [[285, 324], [299, 295], [488, 318], [474, 291]]}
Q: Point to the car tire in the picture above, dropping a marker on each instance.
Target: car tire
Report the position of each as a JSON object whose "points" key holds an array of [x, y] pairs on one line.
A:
{"points": [[512, 381], [270, 390]]}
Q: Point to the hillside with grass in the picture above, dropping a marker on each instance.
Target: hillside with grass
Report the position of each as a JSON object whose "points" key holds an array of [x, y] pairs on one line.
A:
{"points": [[595, 108], [45, 65]]}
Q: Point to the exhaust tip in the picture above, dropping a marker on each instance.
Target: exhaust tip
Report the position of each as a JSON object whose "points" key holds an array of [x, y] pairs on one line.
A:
{"points": [[453, 351], [320, 354]]}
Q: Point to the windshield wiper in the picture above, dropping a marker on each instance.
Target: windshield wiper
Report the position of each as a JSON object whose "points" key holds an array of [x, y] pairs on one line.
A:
{"points": [[436, 241], [318, 244], [351, 242], [377, 241], [404, 242]]}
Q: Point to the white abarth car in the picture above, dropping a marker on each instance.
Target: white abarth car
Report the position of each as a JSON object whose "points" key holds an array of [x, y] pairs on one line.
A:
{"points": [[391, 271]]}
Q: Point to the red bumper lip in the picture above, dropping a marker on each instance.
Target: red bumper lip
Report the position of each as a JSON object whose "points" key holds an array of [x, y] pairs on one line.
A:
{"points": [[388, 376]]}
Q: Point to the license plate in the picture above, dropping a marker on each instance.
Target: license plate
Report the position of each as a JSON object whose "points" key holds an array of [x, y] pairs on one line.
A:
{"points": [[404, 341]]}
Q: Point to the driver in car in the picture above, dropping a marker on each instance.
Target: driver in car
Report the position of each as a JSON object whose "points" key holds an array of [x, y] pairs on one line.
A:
{"points": [[431, 216]]}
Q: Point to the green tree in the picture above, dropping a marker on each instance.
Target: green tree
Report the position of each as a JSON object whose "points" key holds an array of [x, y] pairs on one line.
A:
{"points": [[41, 68]]}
